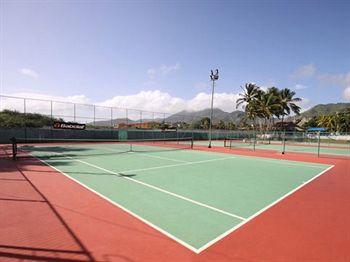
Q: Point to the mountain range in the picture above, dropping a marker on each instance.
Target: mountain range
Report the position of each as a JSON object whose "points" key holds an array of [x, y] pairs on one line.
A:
{"points": [[325, 109], [235, 116]]}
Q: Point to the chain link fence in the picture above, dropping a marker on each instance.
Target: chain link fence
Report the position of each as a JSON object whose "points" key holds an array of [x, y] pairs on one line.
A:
{"points": [[104, 122]]}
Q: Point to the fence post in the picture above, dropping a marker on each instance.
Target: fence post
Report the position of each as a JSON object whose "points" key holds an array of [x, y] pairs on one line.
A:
{"points": [[25, 119], [94, 116], [51, 113], [254, 140], [74, 113], [284, 142], [112, 117], [319, 144], [126, 117], [164, 126]]}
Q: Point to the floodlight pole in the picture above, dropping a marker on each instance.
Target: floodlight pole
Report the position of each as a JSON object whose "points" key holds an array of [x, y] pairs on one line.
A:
{"points": [[213, 78]]}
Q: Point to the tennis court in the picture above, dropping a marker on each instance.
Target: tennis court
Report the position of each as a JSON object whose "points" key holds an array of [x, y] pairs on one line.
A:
{"points": [[298, 147], [194, 197]]}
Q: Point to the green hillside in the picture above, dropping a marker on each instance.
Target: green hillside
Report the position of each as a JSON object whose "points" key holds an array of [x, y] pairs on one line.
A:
{"points": [[325, 109], [14, 119]]}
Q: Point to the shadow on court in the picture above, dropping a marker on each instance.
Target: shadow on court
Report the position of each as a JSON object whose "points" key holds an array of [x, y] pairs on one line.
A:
{"points": [[31, 228]]}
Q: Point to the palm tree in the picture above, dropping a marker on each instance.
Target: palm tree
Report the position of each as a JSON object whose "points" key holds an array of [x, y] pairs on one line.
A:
{"points": [[346, 113], [249, 98], [268, 104], [327, 121], [288, 103], [276, 110], [205, 122]]}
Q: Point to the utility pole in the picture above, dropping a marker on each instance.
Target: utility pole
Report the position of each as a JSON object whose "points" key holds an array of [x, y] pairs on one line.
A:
{"points": [[213, 78]]}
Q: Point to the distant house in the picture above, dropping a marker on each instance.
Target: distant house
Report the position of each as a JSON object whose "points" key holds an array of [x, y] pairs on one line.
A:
{"points": [[140, 125], [146, 125]]}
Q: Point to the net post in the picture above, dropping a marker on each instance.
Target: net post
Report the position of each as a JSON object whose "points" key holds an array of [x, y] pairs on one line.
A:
{"points": [[14, 148]]}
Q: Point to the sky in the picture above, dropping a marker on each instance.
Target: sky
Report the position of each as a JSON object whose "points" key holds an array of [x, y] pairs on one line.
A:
{"points": [[157, 55]]}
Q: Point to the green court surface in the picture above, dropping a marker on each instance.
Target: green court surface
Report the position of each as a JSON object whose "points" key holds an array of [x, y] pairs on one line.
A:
{"points": [[326, 149], [194, 197]]}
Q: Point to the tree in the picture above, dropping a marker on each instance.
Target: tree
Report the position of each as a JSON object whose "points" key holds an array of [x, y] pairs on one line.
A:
{"points": [[326, 121], [195, 125], [221, 125], [249, 100], [273, 103], [274, 92], [14, 119], [338, 122], [288, 103], [268, 104], [231, 126], [312, 122], [205, 122]]}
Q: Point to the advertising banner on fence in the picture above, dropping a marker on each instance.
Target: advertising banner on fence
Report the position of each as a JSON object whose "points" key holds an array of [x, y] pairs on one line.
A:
{"points": [[68, 125]]}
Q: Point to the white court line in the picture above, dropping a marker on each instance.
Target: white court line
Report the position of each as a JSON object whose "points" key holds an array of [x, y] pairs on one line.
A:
{"points": [[158, 189], [175, 165], [287, 162], [260, 211], [275, 161], [166, 233], [148, 155], [264, 159], [210, 243], [164, 158]]}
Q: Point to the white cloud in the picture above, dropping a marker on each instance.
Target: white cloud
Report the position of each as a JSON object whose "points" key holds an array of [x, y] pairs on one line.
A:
{"points": [[155, 74], [40, 103], [224, 101], [335, 79], [166, 69], [163, 102], [29, 72], [346, 93], [148, 101], [300, 87], [304, 71], [269, 83], [151, 73], [305, 104], [162, 70], [342, 80], [156, 101]]}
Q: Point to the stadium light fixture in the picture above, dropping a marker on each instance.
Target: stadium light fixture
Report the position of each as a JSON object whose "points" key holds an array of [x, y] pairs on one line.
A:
{"points": [[213, 77]]}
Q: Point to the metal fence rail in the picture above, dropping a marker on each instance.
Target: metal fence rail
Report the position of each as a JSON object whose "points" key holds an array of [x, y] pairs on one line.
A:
{"points": [[94, 115], [105, 122]]}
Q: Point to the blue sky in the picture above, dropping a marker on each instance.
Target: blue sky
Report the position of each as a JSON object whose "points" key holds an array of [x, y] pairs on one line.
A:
{"points": [[157, 55]]}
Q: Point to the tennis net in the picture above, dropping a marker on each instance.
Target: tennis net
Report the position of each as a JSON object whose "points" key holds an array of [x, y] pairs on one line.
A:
{"points": [[56, 148], [238, 142]]}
